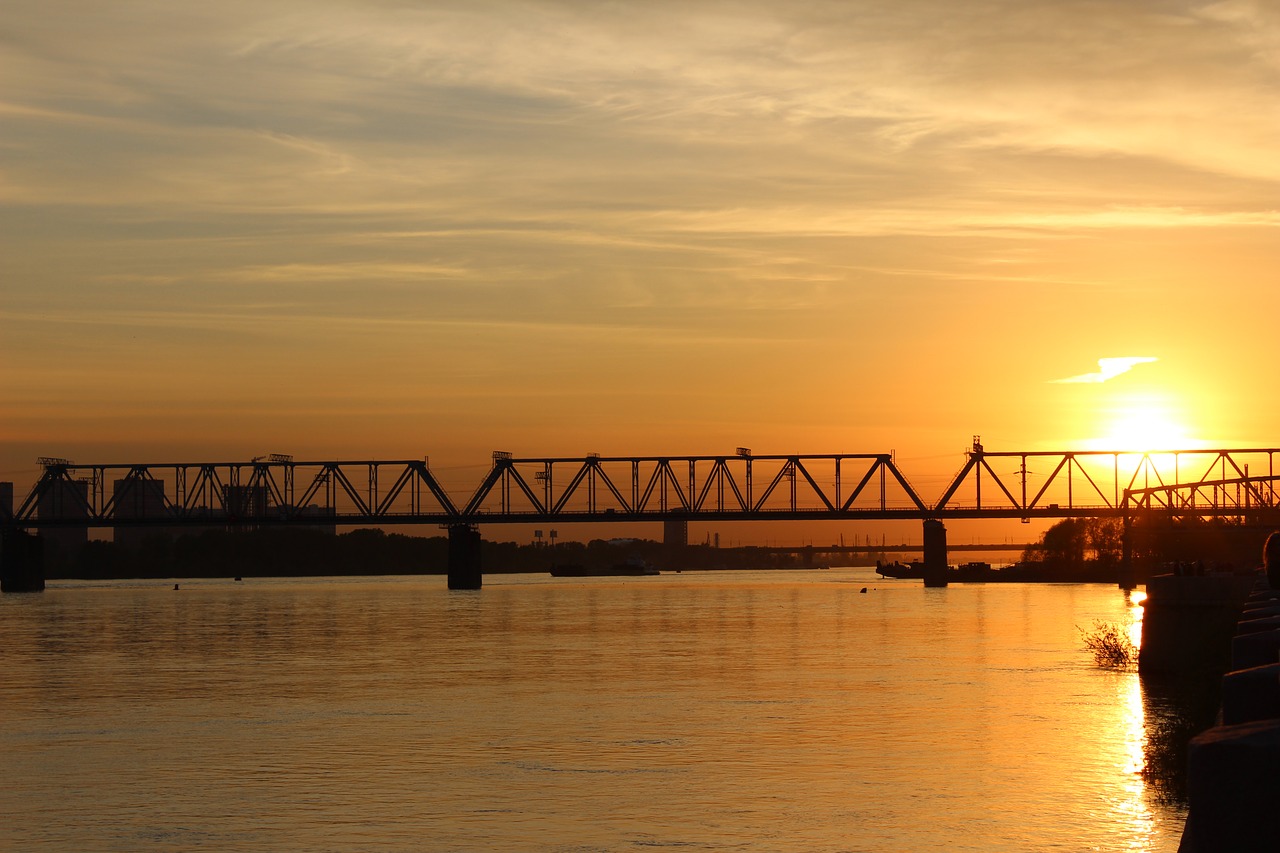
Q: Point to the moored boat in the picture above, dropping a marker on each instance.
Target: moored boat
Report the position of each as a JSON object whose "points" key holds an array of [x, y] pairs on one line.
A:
{"points": [[911, 571], [631, 568], [974, 571]]}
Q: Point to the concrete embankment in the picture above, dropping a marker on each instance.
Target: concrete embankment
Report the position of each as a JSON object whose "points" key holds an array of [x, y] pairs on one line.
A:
{"points": [[1233, 782]]}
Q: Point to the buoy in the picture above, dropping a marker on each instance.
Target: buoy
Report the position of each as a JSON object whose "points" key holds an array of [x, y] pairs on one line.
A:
{"points": [[864, 589], [175, 586]]}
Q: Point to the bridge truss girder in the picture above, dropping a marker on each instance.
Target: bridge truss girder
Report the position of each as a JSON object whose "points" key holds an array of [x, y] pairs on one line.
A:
{"points": [[1232, 497], [279, 491], [1095, 483], [746, 487], [259, 492]]}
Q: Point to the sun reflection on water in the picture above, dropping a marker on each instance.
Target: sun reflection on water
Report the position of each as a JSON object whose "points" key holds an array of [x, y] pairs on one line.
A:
{"points": [[1135, 729], [1131, 808], [1136, 599]]}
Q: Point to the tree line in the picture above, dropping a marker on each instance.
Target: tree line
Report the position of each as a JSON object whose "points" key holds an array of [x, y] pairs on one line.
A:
{"points": [[295, 552], [1158, 542]]}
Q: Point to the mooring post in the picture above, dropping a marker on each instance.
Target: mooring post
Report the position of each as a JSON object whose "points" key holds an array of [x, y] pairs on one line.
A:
{"points": [[935, 553], [1128, 577], [464, 557], [21, 561]]}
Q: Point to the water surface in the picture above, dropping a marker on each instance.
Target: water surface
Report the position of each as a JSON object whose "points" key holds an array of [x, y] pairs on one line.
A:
{"points": [[700, 711]]}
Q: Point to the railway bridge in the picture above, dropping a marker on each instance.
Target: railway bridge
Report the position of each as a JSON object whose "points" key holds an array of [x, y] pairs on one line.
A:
{"points": [[675, 490]]}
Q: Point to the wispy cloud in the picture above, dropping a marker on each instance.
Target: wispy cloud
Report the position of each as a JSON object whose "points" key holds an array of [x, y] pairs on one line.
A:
{"points": [[575, 192], [1108, 368]]}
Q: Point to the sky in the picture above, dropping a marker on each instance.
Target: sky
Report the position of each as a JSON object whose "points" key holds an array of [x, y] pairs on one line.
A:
{"points": [[350, 230]]}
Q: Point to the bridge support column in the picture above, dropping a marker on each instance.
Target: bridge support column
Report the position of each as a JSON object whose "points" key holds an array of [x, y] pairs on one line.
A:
{"points": [[21, 561], [675, 533], [935, 553], [464, 557], [1128, 576], [675, 541]]}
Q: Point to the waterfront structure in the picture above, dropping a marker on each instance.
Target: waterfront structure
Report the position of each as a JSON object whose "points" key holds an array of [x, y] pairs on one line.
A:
{"points": [[1223, 628]]}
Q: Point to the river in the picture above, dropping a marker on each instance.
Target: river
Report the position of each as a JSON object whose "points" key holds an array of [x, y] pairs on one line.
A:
{"points": [[753, 711]]}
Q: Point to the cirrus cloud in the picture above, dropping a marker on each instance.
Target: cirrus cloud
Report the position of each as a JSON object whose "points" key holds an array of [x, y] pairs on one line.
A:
{"points": [[1108, 368]]}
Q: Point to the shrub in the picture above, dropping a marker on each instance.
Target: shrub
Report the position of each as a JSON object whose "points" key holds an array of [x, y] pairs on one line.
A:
{"points": [[1110, 645]]}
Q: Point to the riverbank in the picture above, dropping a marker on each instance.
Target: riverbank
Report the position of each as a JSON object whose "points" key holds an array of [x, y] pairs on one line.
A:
{"points": [[1230, 628]]}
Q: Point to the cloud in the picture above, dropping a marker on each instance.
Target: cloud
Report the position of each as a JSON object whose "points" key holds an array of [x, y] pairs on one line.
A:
{"points": [[334, 190], [1108, 368]]}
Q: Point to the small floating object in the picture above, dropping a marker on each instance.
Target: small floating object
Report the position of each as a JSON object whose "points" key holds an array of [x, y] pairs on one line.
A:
{"points": [[864, 589], [175, 586], [237, 580]]}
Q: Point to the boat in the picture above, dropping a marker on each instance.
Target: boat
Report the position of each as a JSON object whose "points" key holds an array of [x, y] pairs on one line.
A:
{"points": [[631, 568], [973, 571], [915, 570], [911, 571], [980, 572]]}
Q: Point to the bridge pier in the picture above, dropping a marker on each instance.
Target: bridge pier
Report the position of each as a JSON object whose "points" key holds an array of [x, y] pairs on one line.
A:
{"points": [[675, 541], [21, 561], [675, 533], [464, 557], [935, 553], [1128, 578]]}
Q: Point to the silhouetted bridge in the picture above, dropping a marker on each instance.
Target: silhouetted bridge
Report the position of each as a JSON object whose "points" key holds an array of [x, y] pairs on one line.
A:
{"points": [[277, 490]]}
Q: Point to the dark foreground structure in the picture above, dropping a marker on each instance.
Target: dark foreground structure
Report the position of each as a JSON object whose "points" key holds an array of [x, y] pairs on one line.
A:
{"points": [[21, 561], [1232, 623]]}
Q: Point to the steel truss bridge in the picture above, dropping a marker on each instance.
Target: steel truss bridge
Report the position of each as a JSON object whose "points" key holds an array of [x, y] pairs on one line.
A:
{"points": [[276, 490]]}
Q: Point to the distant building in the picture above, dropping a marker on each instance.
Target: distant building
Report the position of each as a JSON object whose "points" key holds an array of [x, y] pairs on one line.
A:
{"points": [[66, 501], [675, 533], [247, 504], [244, 504], [137, 498], [323, 516]]}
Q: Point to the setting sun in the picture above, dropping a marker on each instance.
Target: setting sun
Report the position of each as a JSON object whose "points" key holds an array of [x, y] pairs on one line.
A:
{"points": [[1143, 423]]}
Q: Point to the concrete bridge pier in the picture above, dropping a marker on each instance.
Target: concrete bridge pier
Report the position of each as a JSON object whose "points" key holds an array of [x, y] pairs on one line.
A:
{"points": [[1128, 577], [935, 553], [675, 542], [464, 557], [21, 561]]}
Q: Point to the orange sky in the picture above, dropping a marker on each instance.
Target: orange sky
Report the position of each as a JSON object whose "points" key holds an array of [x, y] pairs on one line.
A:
{"points": [[352, 230]]}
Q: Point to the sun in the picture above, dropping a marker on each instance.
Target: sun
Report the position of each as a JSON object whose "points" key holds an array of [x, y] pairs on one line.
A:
{"points": [[1143, 423]]}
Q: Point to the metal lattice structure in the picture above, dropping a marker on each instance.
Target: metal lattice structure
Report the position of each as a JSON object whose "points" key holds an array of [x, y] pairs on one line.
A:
{"points": [[742, 487], [1096, 483], [737, 487], [272, 490], [1234, 497]]}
